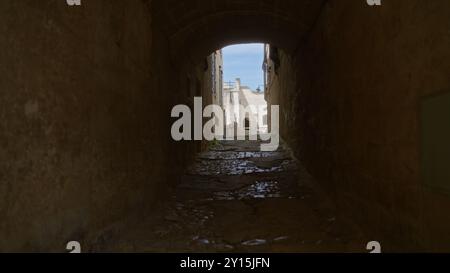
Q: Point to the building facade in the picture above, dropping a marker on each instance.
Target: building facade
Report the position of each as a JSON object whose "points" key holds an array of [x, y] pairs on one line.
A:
{"points": [[238, 98]]}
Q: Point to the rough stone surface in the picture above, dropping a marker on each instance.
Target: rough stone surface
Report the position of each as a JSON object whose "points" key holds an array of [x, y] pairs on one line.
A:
{"points": [[217, 208], [350, 109]]}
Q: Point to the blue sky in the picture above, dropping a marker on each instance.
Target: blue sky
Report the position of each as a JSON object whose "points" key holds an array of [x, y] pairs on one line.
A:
{"points": [[244, 61]]}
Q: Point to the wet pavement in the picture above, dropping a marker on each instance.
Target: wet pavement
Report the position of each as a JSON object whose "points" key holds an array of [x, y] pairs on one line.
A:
{"points": [[238, 199]]}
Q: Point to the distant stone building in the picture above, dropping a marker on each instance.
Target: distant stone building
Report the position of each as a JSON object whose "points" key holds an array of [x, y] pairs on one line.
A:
{"points": [[236, 95]]}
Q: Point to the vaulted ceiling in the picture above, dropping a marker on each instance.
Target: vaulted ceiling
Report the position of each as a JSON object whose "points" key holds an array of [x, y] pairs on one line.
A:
{"points": [[198, 27]]}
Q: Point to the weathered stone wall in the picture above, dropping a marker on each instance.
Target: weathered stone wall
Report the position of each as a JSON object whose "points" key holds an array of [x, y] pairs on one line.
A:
{"points": [[83, 130], [193, 80], [350, 109], [86, 95]]}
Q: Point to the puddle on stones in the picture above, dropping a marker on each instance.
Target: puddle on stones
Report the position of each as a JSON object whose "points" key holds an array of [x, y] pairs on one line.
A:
{"points": [[231, 167], [258, 190]]}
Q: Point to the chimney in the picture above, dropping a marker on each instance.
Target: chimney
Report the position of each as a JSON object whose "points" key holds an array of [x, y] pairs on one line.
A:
{"points": [[238, 84]]}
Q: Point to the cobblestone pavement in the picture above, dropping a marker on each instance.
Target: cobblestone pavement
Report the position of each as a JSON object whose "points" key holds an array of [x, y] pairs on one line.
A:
{"points": [[237, 199]]}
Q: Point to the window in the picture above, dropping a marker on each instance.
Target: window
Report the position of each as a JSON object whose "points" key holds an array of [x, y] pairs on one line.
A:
{"points": [[435, 134]]}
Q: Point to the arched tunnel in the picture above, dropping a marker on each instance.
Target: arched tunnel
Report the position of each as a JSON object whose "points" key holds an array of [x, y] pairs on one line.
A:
{"points": [[87, 93]]}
